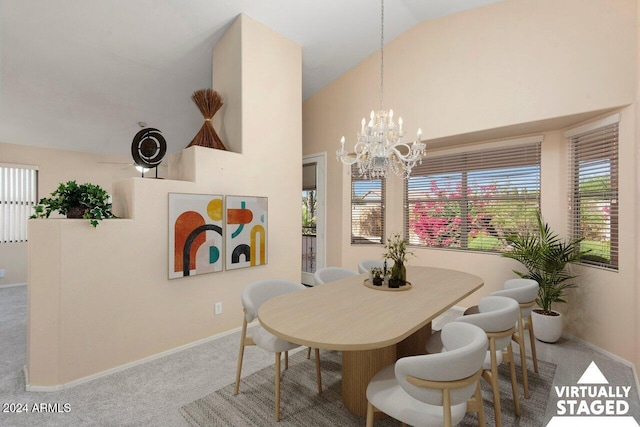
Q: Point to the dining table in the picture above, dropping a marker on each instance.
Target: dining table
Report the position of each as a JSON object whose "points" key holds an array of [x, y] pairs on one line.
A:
{"points": [[372, 326]]}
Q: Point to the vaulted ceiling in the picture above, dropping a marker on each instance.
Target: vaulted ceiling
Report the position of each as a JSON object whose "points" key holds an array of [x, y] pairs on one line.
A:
{"points": [[81, 74]]}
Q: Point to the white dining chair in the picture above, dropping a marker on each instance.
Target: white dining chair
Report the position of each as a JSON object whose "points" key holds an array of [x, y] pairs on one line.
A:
{"points": [[434, 389], [331, 274], [497, 317], [366, 265], [525, 292], [253, 296]]}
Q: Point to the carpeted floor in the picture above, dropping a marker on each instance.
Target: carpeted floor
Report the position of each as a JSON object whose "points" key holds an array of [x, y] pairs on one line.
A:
{"points": [[152, 393], [301, 404]]}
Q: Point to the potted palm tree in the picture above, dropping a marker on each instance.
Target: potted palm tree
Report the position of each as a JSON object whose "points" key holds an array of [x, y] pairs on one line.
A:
{"points": [[88, 201], [546, 256]]}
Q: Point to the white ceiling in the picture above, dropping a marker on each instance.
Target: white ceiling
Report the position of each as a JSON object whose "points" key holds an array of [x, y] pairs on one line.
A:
{"points": [[80, 74]]}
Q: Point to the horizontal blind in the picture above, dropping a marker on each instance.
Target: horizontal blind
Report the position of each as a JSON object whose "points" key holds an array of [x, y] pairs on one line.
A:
{"points": [[18, 196], [593, 200], [367, 209], [473, 200]]}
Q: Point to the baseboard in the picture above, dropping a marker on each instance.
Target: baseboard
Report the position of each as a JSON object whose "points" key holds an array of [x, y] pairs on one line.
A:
{"points": [[12, 285], [606, 353], [38, 388]]}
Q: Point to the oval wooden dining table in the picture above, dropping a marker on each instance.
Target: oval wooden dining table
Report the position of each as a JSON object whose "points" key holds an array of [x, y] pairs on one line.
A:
{"points": [[372, 328]]}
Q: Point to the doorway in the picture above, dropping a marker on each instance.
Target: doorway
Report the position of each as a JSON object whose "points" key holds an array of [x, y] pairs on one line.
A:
{"points": [[313, 215]]}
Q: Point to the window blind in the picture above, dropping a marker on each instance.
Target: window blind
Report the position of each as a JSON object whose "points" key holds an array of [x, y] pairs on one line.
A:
{"points": [[367, 209], [18, 196], [473, 200], [593, 204]]}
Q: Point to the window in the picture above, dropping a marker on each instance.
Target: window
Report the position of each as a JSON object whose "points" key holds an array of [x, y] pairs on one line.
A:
{"points": [[472, 198], [367, 209], [18, 195], [593, 193]]}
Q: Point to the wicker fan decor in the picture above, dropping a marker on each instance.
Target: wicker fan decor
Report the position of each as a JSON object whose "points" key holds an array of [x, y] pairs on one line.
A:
{"points": [[208, 102]]}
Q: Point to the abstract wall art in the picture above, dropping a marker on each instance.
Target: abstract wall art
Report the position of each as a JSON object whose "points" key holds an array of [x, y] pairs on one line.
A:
{"points": [[196, 245], [246, 231]]}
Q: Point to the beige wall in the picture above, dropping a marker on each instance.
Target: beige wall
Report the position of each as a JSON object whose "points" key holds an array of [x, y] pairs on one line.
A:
{"points": [[54, 167], [116, 304], [507, 69], [637, 215], [13, 259]]}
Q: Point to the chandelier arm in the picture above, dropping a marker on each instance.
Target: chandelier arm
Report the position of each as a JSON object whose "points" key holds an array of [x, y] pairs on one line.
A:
{"points": [[411, 155], [348, 160]]}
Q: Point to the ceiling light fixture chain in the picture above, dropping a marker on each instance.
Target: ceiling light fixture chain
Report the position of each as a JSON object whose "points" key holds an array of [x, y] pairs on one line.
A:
{"points": [[382, 54], [380, 146]]}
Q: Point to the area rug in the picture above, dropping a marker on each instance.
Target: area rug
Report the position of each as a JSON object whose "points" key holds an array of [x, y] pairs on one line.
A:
{"points": [[301, 405]]}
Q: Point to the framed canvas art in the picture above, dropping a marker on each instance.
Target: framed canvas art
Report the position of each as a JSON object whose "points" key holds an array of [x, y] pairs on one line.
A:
{"points": [[196, 244], [246, 231]]}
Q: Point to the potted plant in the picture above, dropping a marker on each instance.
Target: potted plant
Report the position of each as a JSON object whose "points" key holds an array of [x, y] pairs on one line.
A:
{"points": [[546, 257], [396, 250], [377, 276], [86, 201]]}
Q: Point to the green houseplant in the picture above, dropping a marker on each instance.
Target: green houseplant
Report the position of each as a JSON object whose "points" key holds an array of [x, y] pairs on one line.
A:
{"points": [[396, 250], [86, 201], [546, 256], [378, 276]]}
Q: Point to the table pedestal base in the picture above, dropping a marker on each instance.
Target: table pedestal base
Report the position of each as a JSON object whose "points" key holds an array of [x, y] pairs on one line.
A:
{"points": [[415, 344], [358, 367]]}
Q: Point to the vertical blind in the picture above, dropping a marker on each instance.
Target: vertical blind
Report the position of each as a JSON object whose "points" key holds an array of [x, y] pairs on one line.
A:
{"points": [[473, 200], [18, 196], [593, 204], [367, 209]]}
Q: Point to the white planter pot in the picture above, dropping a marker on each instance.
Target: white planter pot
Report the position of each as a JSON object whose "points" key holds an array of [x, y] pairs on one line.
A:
{"points": [[547, 328]]}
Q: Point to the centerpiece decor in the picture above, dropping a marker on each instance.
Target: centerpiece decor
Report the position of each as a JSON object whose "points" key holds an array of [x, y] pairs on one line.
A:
{"points": [[377, 276], [396, 250]]}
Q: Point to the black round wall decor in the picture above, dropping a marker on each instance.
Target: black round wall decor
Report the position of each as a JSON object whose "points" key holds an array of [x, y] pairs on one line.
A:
{"points": [[148, 148]]}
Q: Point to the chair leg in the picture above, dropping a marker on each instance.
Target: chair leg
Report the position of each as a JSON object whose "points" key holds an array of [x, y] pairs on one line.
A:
{"points": [[480, 405], [369, 414], [532, 338], [446, 407], [514, 385], [474, 404], [308, 352], [318, 373], [240, 356], [286, 360], [277, 413], [523, 357], [493, 380]]}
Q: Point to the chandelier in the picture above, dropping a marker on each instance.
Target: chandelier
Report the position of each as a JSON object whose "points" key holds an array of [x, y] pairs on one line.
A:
{"points": [[381, 147]]}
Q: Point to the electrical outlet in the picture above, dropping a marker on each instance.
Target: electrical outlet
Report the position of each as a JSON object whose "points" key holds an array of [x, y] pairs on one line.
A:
{"points": [[1, 273], [218, 308]]}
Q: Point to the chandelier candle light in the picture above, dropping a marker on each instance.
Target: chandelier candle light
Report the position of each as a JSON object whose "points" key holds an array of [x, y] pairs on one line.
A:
{"points": [[380, 145]]}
